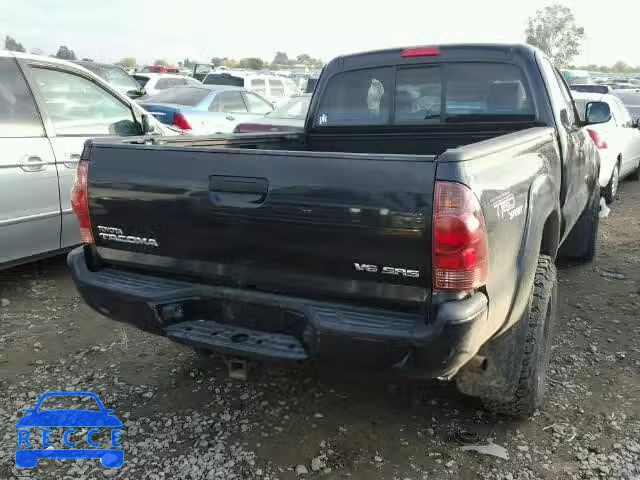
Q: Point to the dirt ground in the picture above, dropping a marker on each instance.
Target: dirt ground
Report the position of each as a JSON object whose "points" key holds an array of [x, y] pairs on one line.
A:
{"points": [[184, 419]]}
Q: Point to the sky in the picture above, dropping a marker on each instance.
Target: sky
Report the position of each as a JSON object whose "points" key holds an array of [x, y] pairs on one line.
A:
{"points": [[109, 30]]}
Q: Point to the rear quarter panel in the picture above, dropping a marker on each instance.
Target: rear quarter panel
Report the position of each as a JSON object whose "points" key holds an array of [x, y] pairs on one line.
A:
{"points": [[516, 178]]}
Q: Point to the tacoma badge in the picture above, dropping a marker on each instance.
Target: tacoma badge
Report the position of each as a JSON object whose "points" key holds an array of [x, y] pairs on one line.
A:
{"points": [[116, 235]]}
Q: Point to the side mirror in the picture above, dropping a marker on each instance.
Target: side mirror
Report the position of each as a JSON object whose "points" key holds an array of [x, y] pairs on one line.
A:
{"points": [[597, 112], [133, 94], [147, 127]]}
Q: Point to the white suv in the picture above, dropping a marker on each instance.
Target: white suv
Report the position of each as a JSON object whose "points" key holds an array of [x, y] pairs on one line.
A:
{"points": [[274, 88], [156, 82]]}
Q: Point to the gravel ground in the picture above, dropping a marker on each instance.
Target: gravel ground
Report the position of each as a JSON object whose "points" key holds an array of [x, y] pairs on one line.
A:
{"points": [[186, 419]]}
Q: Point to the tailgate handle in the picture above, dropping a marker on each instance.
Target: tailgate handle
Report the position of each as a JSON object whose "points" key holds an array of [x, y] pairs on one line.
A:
{"points": [[237, 191]]}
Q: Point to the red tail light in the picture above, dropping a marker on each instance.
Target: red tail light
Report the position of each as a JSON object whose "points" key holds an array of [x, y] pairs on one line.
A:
{"points": [[597, 139], [180, 121], [460, 254], [80, 202], [421, 52]]}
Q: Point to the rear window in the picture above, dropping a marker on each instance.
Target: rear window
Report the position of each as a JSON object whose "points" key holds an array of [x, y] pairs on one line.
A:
{"points": [[188, 96], [223, 79], [456, 92], [590, 88]]}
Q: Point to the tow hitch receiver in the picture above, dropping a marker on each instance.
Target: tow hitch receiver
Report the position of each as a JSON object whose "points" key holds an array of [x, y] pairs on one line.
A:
{"points": [[237, 368]]}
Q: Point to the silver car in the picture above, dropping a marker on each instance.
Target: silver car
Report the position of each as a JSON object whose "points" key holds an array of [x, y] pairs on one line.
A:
{"points": [[48, 109]]}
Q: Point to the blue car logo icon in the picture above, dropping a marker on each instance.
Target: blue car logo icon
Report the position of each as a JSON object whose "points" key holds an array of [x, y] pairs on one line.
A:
{"points": [[27, 457]]}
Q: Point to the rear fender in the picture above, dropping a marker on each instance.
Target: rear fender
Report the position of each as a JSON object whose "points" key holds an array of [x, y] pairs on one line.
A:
{"points": [[504, 353]]}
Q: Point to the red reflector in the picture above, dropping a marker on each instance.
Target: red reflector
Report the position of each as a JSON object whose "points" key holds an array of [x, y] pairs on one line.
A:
{"points": [[460, 254], [180, 121], [599, 142], [421, 52], [80, 202]]}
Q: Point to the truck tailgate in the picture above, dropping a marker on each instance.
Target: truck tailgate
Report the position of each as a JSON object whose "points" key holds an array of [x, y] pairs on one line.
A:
{"points": [[335, 225]]}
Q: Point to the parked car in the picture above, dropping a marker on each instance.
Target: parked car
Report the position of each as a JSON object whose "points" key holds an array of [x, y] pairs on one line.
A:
{"points": [[272, 87], [206, 109], [48, 108], [156, 82], [591, 88], [160, 69], [411, 228], [617, 140], [116, 77], [289, 117]]}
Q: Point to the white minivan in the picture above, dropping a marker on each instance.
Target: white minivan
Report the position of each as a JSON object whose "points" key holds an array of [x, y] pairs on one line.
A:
{"points": [[48, 109], [274, 88]]}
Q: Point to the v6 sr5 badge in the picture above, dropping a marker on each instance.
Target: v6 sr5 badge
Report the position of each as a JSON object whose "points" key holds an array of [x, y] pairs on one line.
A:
{"points": [[506, 206]]}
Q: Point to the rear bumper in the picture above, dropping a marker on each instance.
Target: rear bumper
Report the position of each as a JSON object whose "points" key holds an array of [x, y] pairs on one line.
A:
{"points": [[252, 324]]}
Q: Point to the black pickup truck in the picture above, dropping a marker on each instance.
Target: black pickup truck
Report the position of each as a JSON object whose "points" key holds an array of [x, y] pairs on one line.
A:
{"points": [[411, 228]]}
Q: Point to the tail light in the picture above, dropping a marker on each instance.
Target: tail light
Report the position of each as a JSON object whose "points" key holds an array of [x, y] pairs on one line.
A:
{"points": [[80, 202], [421, 52], [460, 253], [180, 121], [597, 139]]}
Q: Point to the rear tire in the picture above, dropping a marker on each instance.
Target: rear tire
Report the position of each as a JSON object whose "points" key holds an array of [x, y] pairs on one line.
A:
{"points": [[580, 244], [540, 318], [635, 175], [611, 190]]}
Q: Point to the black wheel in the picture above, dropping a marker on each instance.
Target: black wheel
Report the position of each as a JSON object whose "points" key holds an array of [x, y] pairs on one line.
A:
{"points": [[580, 244], [540, 319], [635, 175], [611, 190]]}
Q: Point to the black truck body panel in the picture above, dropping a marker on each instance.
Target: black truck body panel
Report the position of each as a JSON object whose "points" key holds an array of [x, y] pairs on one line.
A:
{"points": [[317, 246]]}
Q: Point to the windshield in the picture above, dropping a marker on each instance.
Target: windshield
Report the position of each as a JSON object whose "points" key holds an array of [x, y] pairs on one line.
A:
{"points": [[188, 96], [296, 108]]}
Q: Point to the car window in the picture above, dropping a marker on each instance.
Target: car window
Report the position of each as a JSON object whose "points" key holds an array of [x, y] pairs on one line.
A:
{"points": [[178, 82], [189, 96], [19, 116], [296, 108], [566, 95], [258, 85], [223, 79], [141, 79], [119, 78], [257, 104], [625, 117], [163, 83], [357, 97], [77, 106], [276, 88], [232, 102], [418, 95], [215, 104]]}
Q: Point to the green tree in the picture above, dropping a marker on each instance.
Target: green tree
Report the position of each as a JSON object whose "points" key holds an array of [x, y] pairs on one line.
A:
{"points": [[13, 46], [161, 61], [186, 63], [65, 53], [251, 63], [554, 31], [281, 58], [128, 62], [304, 58]]}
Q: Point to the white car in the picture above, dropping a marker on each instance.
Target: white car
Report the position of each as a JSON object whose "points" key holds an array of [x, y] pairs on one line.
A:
{"points": [[156, 82], [617, 139], [274, 88], [48, 109]]}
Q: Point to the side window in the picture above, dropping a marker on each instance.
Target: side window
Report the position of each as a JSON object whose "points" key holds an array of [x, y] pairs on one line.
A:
{"points": [[79, 107], [162, 84], [625, 116], [359, 97], [555, 88], [19, 116], [258, 85], [257, 105], [232, 102], [215, 104], [418, 95], [276, 88], [566, 95]]}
